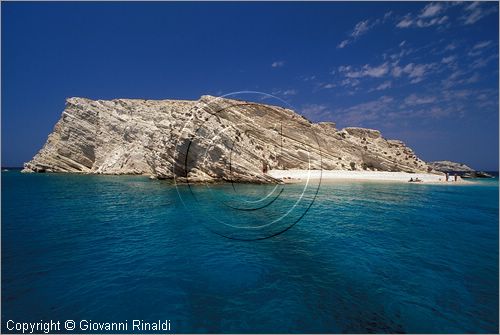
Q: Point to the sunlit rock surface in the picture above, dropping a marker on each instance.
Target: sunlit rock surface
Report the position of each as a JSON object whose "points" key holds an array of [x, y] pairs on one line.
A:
{"points": [[208, 139]]}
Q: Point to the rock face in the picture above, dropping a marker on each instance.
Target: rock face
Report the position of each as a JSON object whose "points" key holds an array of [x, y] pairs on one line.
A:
{"points": [[448, 166], [208, 139]]}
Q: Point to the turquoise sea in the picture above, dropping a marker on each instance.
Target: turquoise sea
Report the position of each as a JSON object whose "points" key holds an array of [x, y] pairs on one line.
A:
{"points": [[352, 257]]}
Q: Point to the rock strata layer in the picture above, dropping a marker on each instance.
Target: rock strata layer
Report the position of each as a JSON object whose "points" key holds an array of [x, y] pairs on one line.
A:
{"points": [[208, 139]]}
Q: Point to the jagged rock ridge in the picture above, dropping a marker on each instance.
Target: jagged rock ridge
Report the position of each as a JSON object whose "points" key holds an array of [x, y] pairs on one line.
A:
{"points": [[208, 139]]}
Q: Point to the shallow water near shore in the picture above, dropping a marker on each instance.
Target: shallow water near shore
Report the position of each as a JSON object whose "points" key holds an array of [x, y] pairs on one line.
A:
{"points": [[365, 257]]}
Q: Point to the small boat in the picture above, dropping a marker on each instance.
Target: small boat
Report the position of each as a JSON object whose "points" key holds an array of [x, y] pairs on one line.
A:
{"points": [[290, 180]]}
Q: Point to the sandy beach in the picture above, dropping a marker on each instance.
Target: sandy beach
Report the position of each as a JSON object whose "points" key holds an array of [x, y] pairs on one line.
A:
{"points": [[327, 175]]}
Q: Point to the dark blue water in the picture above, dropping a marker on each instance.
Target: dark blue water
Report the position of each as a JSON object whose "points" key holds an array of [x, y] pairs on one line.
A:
{"points": [[366, 257]]}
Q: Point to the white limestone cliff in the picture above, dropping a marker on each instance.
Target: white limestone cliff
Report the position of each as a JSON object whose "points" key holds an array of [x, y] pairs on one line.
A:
{"points": [[208, 139]]}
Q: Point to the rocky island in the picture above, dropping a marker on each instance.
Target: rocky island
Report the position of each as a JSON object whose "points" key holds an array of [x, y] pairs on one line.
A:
{"points": [[209, 139]]}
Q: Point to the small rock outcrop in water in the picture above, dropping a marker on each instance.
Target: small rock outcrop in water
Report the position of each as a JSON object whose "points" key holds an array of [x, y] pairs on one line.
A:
{"points": [[208, 139], [458, 168]]}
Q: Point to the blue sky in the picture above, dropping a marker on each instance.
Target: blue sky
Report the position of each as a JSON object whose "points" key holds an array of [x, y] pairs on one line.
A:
{"points": [[422, 72]]}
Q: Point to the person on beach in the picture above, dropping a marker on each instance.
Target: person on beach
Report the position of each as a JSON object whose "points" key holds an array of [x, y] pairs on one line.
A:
{"points": [[447, 176]]}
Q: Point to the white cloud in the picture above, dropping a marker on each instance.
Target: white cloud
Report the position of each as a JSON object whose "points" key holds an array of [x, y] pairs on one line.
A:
{"points": [[366, 71], [482, 62], [343, 44], [360, 28], [438, 112], [473, 79], [385, 85], [397, 71], [377, 71], [452, 79], [435, 21], [473, 17], [406, 22], [481, 45], [448, 60], [478, 48], [414, 72], [453, 95], [416, 80], [431, 10], [417, 72], [344, 68], [367, 111], [483, 97], [350, 82], [396, 57], [476, 11], [286, 93], [278, 64], [413, 100], [330, 85], [428, 17], [414, 107], [472, 5], [451, 46], [464, 77], [309, 78], [290, 92], [475, 53]]}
